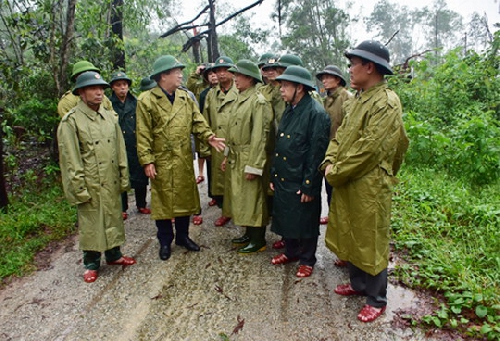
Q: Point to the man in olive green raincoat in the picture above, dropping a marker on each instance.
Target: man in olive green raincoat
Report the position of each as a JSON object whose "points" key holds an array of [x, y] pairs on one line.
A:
{"points": [[166, 118], [94, 171], [246, 160], [334, 82], [301, 142], [217, 110], [361, 163], [69, 100]]}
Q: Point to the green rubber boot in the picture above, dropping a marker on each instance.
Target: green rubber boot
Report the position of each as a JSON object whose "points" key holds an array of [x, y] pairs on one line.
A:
{"points": [[257, 241], [244, 239]]}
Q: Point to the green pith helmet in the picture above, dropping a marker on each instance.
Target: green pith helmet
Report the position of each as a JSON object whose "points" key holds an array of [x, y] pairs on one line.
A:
{"points": [[117, 76], [166, 63], [372, 51], [89, 78], [223, 61], [271, 62], [333, 70], [297, 74], [81, 67], [247, 68], [264, 58], [289, 59], [147, 83]]}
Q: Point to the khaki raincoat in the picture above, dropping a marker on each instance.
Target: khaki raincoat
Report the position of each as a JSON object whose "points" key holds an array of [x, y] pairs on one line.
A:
{"points": [[249, 131], [164, 139], [333, 106], [366, 155], [94, 173], [217, 109]]}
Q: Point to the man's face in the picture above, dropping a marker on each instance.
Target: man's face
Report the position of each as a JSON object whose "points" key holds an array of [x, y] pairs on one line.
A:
{"points": [[120, 88], [242, 82], [173, 79], [92, 95], [330, 82], [212, 78], [287, 90], [270, 73], [223, 75], [358, 73]]}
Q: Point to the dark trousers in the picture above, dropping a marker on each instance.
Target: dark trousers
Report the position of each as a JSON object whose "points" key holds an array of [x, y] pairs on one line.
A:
{"points": [[329, 191], [375, 287], [209, 175], [140, 198], [304, 249], [92, 259], [165, 231]]}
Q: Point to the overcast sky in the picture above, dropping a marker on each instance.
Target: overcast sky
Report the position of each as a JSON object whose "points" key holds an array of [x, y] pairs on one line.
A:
{"points": [[260, 14]]}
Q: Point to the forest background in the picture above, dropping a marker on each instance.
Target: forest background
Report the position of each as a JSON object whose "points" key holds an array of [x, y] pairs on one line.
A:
{"points": [[446, 216]]}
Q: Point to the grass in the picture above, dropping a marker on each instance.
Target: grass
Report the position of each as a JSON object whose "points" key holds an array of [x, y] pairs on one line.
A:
{"points": [[450, 234]]}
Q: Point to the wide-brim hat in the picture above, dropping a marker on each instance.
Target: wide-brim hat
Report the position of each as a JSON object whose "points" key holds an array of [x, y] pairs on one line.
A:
{"points": [[247, 68], [89, 78], [117, 76], [297, 74], [264, 58], [81, 67], [223, 61], [147, 83], [333, 70], [272, 62], [372, 51], [166, 63]]}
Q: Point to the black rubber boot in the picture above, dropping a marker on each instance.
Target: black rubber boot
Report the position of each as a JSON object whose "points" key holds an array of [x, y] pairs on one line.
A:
{"points": [[257, 241]]}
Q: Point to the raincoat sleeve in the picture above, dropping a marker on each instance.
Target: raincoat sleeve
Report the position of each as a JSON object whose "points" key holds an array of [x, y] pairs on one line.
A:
{"points": [[144, 131], [369, 150], [122, 158], [261, 125], [319, 131], [71, 163], [205, 149]]}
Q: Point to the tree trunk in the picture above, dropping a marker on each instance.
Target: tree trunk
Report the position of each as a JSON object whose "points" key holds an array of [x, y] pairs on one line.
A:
{"points": [[117, 34], [66, 47], [4, 200], [213, 48]]}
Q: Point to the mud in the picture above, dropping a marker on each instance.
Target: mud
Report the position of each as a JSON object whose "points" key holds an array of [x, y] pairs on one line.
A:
{"points": [[215, 294]]}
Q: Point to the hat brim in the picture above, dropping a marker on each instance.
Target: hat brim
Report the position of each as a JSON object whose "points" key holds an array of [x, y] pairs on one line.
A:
{"points": [[370, 57], [331, 73], [295, 79]]}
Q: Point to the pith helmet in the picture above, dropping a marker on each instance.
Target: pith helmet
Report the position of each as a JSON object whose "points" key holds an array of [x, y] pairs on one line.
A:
{"points": [[120, 76], [264, 58], [297, 74], [223, 61], [89, 78], [271, 62], [372, 51], [289, 59], [81, 67], [166, 63], [334, 71], [248, 68], [147, 83]]}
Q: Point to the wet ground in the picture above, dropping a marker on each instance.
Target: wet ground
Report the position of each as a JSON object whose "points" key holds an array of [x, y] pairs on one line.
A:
{"points": [[215, 294]]}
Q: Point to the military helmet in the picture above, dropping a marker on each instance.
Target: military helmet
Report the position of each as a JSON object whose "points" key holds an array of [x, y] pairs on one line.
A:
{"points": [[372, 51], [147, 83], [81, 67], [247, 68], [89, 78], [223, 61], [117, 76], [271, 62], [264, 58], [166, 63], [289, 59], [333, 70], [297, 74]]}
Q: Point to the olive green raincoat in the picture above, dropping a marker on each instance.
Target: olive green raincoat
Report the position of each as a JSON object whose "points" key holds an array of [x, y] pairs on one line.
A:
{"points": [[217, 110], [366, 155], [301, 143], [333, 106], [164, 139], [248, 134], [94, 174], [68, 101]]}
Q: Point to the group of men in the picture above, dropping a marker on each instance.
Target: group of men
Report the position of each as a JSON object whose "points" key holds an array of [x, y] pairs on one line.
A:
{"points": [[269, 141]]}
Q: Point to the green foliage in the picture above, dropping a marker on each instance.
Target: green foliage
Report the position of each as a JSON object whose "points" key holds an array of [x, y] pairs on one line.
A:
{"points": [[451, 234]]}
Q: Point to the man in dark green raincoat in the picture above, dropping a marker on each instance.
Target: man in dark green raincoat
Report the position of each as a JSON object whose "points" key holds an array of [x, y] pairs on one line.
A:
{"points": [[361, 164], [301, 142], [124, 104]]}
